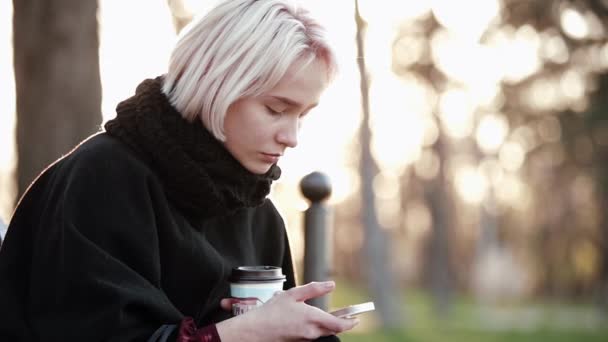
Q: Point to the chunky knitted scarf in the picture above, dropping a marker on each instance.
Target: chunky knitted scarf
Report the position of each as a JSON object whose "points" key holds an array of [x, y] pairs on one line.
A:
{"points": [[199, 175]]}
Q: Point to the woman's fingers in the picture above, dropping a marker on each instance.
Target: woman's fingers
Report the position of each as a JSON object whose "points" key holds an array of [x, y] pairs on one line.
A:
{"points": [[324, 320], [287, 316], [311, 290], [226, 303], [335, 324], [341, 324]]}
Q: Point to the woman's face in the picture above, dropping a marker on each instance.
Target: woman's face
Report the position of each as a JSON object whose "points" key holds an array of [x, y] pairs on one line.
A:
{"points": [[259, 129]]}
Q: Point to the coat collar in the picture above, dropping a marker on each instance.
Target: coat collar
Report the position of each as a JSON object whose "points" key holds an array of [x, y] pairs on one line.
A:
{"points": [[199, 175]]}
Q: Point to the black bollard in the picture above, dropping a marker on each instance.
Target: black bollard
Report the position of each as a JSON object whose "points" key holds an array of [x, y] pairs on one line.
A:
{"points": [[316, 187]]}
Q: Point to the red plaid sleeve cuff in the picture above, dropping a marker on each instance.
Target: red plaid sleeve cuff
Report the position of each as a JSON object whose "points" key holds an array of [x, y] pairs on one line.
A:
{"points": [[188, 332]]}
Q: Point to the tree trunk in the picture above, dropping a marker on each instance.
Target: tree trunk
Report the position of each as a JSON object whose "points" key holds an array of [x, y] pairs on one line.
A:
{"points": [[596, 126], [376, 246], [438, 196], [57, 80], [598, 119], [603, 286]]}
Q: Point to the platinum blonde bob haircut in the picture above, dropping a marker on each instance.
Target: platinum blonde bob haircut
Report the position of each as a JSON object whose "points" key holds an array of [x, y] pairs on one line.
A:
{"points": [[241, 48]]}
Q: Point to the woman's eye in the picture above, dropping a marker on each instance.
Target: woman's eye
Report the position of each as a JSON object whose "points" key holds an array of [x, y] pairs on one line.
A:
{"points": [[273, 112]]}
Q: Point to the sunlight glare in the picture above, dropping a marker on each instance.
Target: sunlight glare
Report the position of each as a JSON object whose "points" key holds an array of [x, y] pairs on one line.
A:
{"points": [[378, 49], [199, 7], [344, 183], [449, 13], [543, 95], [466, 61], [491, 132], [431, 131], [487, 95], [471, 184], [8, 160], [553, 47], [574, 23], [517, 52], [337, 17], [395, 112], [128, 52], [390, 12], [456, 113]]}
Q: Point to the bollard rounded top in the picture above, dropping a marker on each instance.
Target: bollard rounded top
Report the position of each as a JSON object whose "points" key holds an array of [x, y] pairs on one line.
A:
{"points": [[316, 186]]}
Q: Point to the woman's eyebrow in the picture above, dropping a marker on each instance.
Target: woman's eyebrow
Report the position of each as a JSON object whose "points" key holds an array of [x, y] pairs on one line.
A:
{"points": [[291, 102]]}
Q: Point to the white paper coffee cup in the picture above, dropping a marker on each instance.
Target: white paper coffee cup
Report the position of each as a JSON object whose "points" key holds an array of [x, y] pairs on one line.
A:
{"points": [[254, 286]]}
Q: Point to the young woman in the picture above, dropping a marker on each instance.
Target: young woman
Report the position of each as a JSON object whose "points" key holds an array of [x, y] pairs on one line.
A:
{"points": [[132, 235]]}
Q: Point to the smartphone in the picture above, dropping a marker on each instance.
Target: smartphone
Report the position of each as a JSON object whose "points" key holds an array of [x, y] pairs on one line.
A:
{"points": [[353, 310]]}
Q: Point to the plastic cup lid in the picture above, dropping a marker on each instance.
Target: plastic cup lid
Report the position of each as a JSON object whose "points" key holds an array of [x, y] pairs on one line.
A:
{"points": [[256, 274]]}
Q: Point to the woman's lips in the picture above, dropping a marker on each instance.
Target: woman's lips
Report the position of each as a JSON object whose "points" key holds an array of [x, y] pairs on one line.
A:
{"points": [[270, 157]]}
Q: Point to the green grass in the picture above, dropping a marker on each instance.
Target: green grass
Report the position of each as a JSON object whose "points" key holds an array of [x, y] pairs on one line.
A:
{"points": [[467, 321], [476, 336]]}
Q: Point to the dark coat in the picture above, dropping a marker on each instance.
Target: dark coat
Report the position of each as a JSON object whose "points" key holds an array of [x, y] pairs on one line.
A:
{"points": [[99, 250]]}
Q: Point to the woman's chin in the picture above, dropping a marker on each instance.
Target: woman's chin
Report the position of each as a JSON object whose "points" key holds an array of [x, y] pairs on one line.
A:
{"points": [[259, 169]]}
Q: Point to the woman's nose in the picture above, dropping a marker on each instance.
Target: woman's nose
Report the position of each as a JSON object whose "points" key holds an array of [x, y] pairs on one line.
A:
{"points": [[288, 133]]}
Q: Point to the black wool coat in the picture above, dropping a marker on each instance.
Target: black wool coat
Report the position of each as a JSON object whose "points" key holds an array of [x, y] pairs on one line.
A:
{"points": [[101, 248]]}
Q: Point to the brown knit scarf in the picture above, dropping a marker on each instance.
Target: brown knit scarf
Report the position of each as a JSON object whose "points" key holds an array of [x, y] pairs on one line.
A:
{"points": [[199, 175]]}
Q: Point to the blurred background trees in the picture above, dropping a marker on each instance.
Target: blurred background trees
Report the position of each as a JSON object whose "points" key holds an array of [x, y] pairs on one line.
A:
{"points": [[507, 190]]}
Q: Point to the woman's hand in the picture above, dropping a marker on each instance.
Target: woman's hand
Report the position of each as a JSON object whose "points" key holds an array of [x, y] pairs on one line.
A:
{"points": [[285, 317]]}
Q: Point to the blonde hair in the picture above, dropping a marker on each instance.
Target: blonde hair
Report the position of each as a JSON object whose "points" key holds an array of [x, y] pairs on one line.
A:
{"points": [[241, 48]]}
